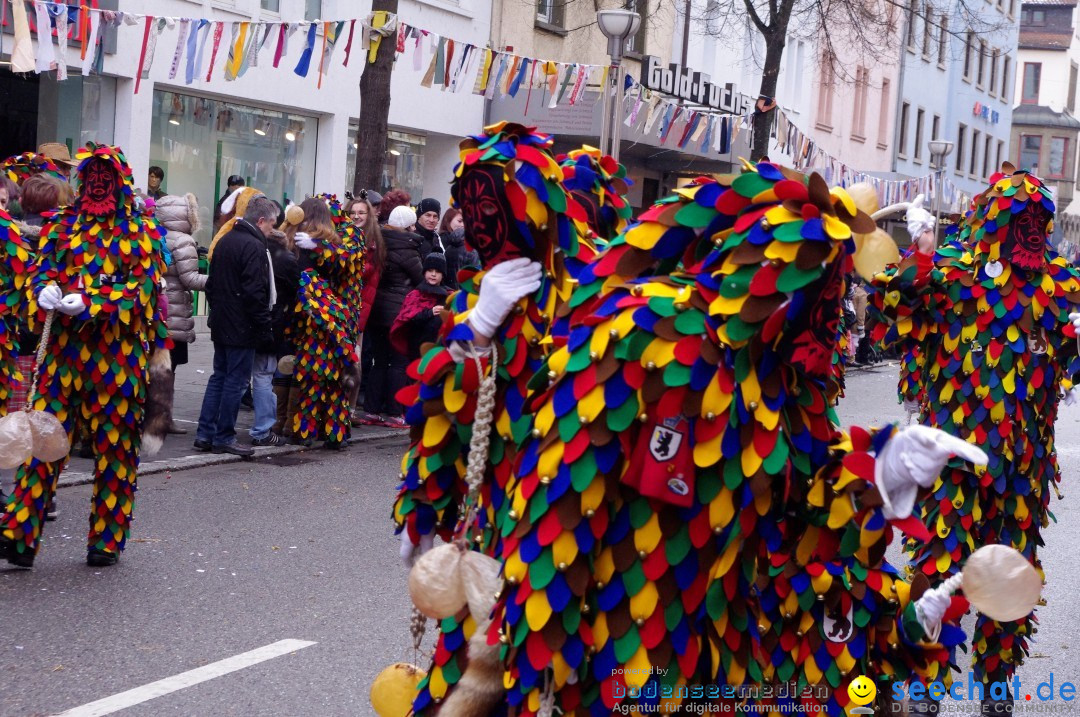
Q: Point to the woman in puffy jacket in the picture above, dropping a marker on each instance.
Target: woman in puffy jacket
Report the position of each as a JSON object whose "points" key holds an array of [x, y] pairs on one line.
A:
{"points": [[180, 216], [365, 217]]}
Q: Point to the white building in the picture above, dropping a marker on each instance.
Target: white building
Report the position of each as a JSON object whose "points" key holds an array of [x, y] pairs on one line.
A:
{"points": [[278, 130]]}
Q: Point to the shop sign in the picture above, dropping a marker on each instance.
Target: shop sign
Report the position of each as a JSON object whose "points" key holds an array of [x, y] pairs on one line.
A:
{"points": [[695, 87], [981, 110]]}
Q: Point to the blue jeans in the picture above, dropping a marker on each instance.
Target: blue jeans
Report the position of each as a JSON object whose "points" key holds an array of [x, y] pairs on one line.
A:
{"points": [[221, 402], [262, 393]]}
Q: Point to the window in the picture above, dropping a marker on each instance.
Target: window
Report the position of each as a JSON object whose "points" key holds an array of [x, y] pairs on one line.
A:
{"points": [[883, 116], [828, 82], [960, 136], [1059, 147], [904, 110], [1000, 154], [1006, 90], [312, 9], [636, 44], [969, 51], [982, 63], [793, 75], [935, 127], [927, 35], [973, 164], [862, 89], [920, 116], [1030, 146], [986, 157], [992, 87], [1032, 73], [271, 5], [1012, 8], [550, 12], [943, 39], [1072, 87], [911, 17]]}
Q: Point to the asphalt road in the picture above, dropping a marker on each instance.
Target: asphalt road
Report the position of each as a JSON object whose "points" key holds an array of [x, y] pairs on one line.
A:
{"points": [[228, 559]]}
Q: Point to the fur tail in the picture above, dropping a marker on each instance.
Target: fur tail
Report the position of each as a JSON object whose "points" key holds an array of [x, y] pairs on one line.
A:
{"points": [[159, 403], [480, 689]]}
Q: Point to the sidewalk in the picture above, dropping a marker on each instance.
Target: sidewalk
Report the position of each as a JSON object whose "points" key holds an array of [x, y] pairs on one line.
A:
{"points": [[179, 453]]}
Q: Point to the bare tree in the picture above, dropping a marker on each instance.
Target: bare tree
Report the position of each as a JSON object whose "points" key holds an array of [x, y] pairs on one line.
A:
{"points": [[374, 109]]}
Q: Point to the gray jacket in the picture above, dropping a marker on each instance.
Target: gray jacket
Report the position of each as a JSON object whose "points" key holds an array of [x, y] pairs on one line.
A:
{"points": [[179, 215]]}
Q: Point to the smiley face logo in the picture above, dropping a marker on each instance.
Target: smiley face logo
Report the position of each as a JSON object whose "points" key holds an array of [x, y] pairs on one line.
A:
{"points": [[862, 690]]}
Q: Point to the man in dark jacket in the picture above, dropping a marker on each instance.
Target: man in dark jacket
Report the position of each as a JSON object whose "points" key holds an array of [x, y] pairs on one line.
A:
{"points": [[240, 294], [427, 222]]}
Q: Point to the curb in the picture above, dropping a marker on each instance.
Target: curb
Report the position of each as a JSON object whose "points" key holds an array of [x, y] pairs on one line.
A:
{"points": [[204, 460]]}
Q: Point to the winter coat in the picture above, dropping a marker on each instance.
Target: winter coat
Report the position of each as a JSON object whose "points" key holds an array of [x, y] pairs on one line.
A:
{"points": [[369, 290], [239, 290], [287, 280], [416, 324], [402, 272], [430, 241], [458, 257], [180, 216]]}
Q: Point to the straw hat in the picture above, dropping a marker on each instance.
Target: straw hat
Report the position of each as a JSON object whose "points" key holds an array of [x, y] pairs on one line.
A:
{"points": [[57, 152]]}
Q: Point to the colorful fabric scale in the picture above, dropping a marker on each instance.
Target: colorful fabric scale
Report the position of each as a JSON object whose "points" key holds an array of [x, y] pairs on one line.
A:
{"points": [[599, 184], [328, 304], [997, 350], [94, 374], [442, 403], [686, 511], [21, 167], [17, 254]]}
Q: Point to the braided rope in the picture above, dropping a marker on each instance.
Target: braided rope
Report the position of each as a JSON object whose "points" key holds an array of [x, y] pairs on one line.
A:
{"points": [[480, 442], [43, 345]]}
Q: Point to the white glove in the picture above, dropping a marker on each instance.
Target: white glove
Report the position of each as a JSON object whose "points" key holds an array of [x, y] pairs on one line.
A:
{"points": [[913, 459], [304, 240], [931, 608], [72, 305], [410, 551], [1069, 398], [1075, 319], [500, 288], [49, 297]]}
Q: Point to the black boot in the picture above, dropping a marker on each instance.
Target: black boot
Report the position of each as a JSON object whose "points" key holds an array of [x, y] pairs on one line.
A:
{"points": [[9, 551], [96, 558]]}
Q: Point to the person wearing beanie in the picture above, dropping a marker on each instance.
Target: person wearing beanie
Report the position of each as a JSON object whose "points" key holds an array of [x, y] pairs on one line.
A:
{"points": [[421, 313], [402, 272], [427, 222]]}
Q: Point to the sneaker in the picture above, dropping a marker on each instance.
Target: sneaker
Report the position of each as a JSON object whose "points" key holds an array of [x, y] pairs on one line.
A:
{"points": [[96, 558], [394, 422], [271, 439], [235, 449], [201, 445], [363, 418]]}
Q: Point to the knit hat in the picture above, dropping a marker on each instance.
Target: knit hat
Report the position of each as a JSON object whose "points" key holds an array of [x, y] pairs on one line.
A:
{"points": [[402, 218], [437, 261], [428, 205]]}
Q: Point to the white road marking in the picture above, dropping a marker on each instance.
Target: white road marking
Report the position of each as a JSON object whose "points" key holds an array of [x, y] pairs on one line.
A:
{"points": [[123, 700]]}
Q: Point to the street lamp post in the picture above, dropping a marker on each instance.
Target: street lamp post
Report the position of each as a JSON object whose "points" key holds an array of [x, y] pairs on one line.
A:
{"points": [[939, 150], [618, 26]]}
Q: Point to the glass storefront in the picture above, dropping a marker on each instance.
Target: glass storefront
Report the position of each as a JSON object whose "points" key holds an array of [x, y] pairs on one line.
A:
{"points": [[403, 167], [201, 142], [38, 109]]}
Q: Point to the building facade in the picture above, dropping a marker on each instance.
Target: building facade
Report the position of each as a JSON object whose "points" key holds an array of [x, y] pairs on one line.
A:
{"points": [[957, 71], [280, 131]]}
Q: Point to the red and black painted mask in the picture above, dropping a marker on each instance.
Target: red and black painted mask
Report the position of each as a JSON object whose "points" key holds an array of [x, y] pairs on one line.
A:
{"points": [[99, 188], [489, 220], [814, 332], [1025, 240]]}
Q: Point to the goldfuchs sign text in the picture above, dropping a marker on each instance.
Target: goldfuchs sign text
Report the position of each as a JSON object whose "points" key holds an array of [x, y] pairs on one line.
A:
{"points": [[695, 87]]}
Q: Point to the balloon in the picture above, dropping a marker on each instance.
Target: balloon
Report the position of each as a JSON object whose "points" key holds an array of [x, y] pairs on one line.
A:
{"points": [[394, 689]]}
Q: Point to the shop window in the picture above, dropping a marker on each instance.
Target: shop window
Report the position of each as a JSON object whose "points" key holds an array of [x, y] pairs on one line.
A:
{"points": [[1030, 147], [1059, 147], [77, 110], [201, 142], [403, 167]]}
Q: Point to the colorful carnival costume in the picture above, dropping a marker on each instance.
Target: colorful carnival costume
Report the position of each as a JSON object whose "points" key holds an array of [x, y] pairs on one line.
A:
{"points": [[327, 334], [21, 167], [686, 511], [509, 189], [99, 267], [599, 184], [990, 312]]}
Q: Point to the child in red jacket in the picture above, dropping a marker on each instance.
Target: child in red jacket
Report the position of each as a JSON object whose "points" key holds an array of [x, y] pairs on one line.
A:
{"points": [[420, 317]]}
